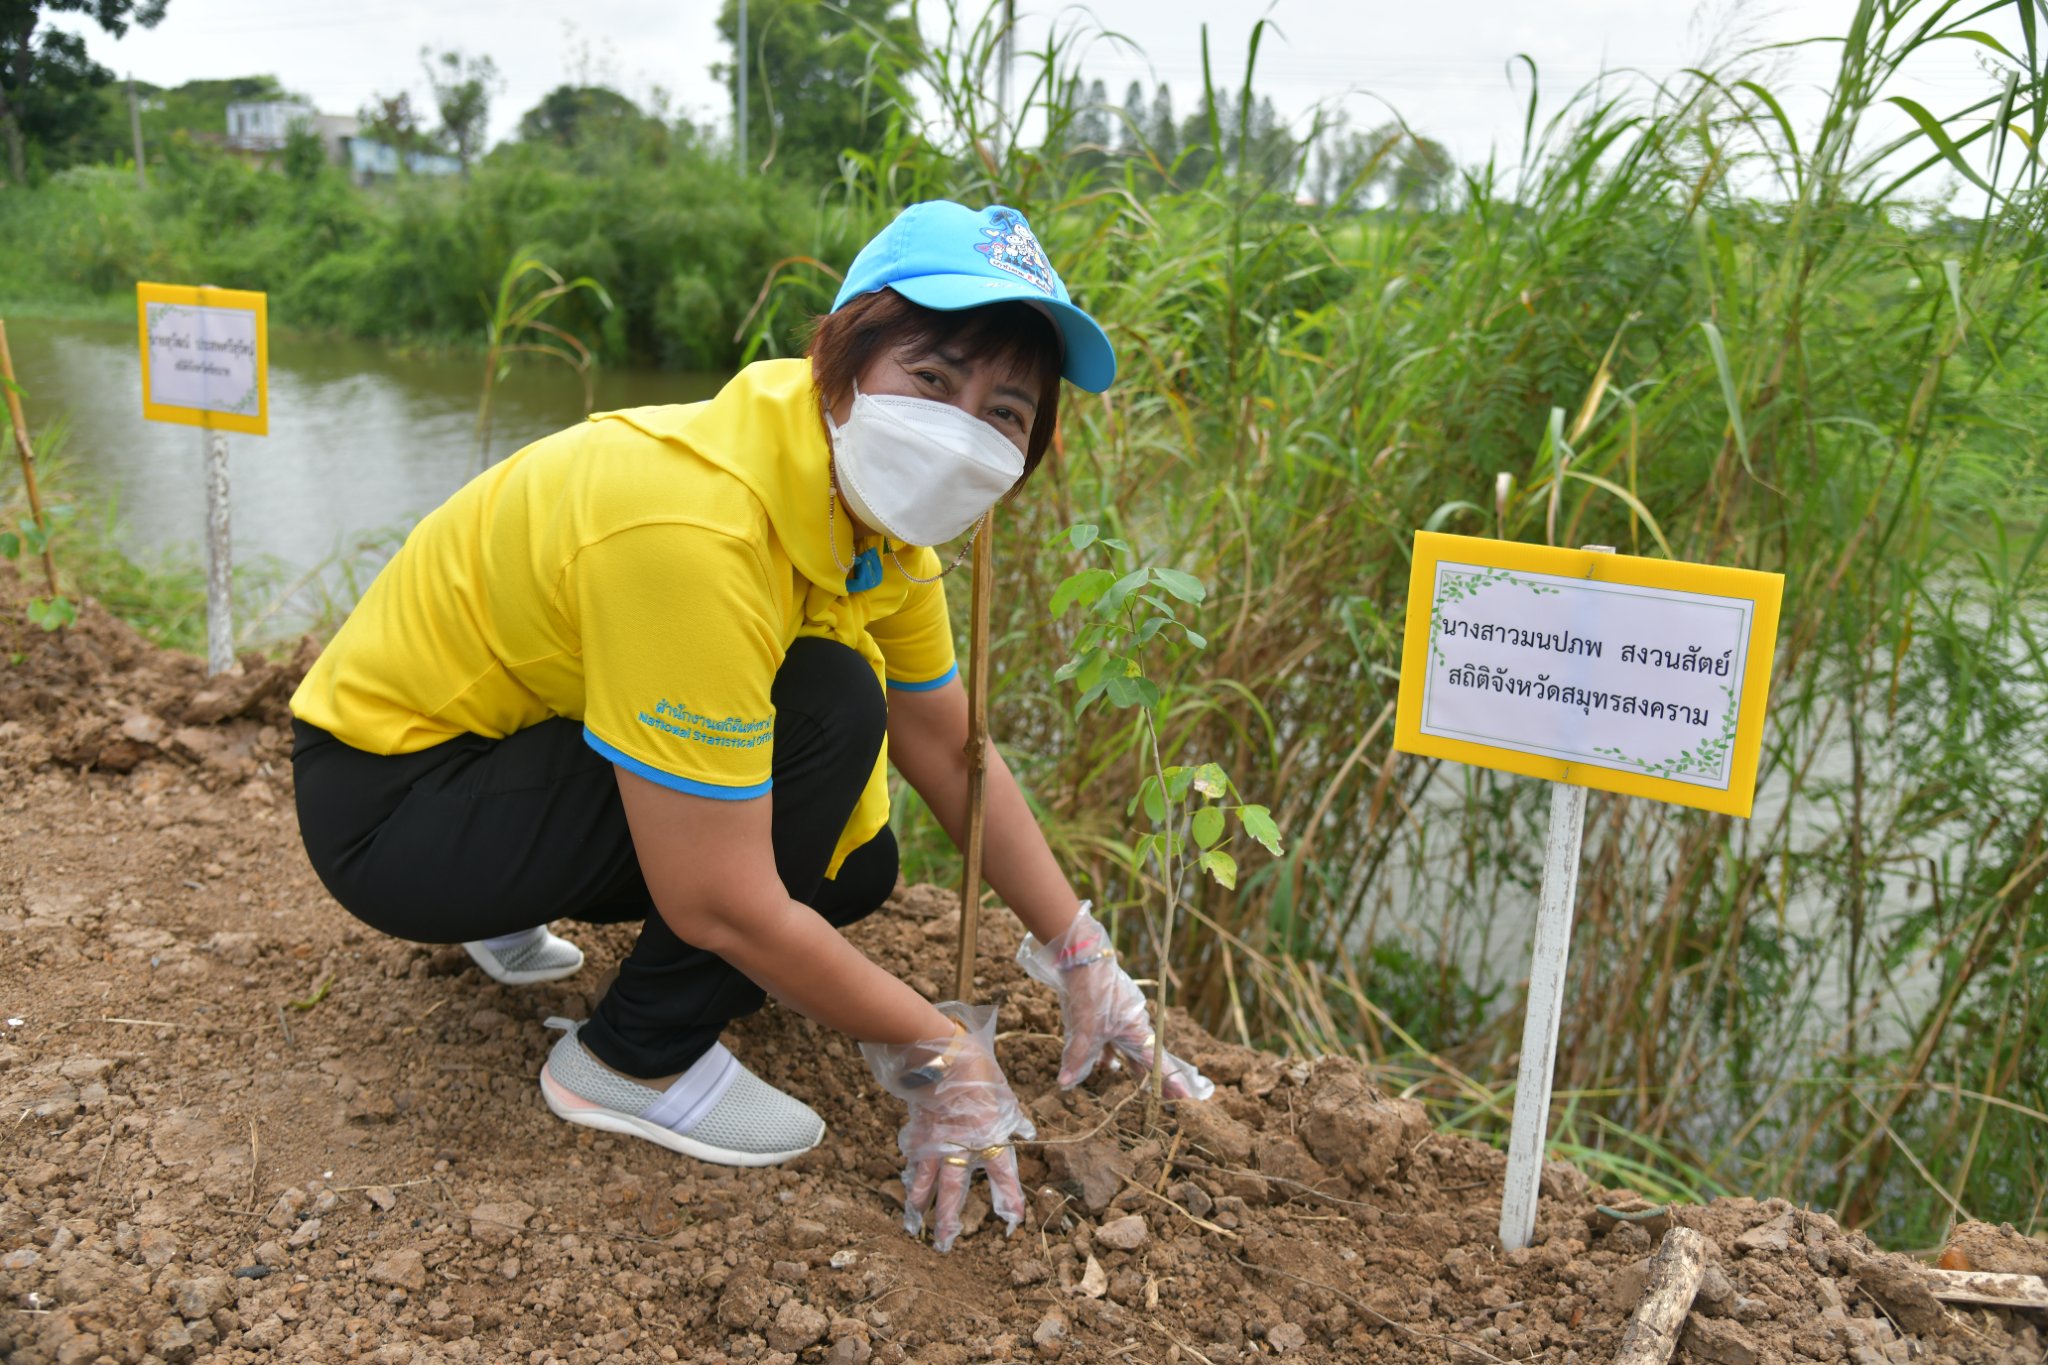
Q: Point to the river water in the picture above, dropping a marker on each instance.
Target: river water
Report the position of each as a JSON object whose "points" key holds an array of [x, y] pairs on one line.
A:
{"points": [[361, 438]]}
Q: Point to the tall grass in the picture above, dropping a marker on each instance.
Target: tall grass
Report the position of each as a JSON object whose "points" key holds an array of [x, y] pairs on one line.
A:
{"points": [[1680, 324]]}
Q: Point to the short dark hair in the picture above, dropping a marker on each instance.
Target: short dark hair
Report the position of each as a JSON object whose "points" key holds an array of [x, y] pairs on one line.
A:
{"points": [[1010, 333]]}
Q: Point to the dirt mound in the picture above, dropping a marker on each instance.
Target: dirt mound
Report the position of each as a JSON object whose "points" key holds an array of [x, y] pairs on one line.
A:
{"points": [[241, 1127]]}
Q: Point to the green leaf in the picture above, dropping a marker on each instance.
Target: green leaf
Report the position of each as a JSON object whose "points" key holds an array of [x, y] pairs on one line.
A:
{"points": [[1185, 586], [1155, 803], [1110, 543], [1931, 127], [1178, 780], [1148, 692], [1125, 691], [1082, 588], [34, 537], [1113, 600], [1208, 826], [1211, 781], [10, 545], [1258, 822], [1151, 628], [53, 613], [1082, 535], [1198, 641], [1221, 866]]}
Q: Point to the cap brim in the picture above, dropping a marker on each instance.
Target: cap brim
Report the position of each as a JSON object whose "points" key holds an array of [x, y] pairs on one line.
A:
{"points": [[1090, 359]]}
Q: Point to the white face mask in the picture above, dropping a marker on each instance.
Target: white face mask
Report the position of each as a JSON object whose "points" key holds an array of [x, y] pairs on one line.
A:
{"points": [[918, 470]]}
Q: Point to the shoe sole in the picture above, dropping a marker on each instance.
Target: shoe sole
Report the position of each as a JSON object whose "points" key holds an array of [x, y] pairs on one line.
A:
{"points": [[573, 1107], [528, 978]]}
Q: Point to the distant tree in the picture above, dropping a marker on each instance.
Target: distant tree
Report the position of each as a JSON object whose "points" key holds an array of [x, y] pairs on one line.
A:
{"points": [[1161, 133], [391, 120], [572, 115], [463, 88], [48, 84], [1091, 120], [1422, 170], [804, 76], [1131, 135], [305, 154]]}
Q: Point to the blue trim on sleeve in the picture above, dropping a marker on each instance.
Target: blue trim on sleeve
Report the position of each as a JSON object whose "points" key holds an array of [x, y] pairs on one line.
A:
{"points": [[671, 780], [932, 686]]}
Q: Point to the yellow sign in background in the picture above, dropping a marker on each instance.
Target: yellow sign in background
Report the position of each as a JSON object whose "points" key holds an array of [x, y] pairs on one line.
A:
{"points": [[1640, 676], [205, 356]]}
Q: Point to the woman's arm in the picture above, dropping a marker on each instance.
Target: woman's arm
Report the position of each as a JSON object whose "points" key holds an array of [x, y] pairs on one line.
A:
{"points": [[928, 745], [711, 869]]}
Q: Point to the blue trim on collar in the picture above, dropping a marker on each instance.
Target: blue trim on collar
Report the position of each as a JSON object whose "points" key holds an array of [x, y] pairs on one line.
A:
{"points": [[671, 780], [934, 685]]}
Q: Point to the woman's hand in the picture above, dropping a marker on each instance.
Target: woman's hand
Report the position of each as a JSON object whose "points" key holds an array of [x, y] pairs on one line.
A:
{"points": [[963, 1118], [1103, 1010]]}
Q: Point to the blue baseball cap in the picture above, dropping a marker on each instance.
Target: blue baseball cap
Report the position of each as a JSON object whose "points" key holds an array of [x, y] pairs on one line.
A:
{"points": [[946, 256]]}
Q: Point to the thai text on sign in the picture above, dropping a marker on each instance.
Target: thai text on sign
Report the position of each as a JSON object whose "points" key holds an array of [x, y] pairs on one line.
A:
{"points": [[205, 356], [1633, 675]]}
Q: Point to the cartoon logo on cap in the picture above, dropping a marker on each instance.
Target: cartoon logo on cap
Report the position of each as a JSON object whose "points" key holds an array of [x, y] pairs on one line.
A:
{"points": [[1013, 250]]}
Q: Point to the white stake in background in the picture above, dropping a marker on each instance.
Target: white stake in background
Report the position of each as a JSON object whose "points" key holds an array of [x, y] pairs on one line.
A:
{"points": [[206, 363], [1643, 677]]}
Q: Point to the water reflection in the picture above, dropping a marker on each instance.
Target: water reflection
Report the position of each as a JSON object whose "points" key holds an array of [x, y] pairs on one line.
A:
{"points": [[360, 437]]}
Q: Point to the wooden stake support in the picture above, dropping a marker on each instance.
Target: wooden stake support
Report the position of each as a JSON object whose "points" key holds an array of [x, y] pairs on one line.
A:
{"points": [[1675, 1274], [28, 457], [977, 755]]}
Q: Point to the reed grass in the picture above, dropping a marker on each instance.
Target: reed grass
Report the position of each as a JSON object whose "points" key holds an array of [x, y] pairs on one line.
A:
{"points": [[1677, 323]]}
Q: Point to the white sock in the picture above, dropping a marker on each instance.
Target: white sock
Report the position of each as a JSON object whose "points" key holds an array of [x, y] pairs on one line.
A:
{"points": [[506, 943]]}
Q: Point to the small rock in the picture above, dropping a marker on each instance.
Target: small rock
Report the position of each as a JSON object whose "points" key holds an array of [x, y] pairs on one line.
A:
{"points": [[157, 1246], [796, 1325], [1098, 1166], [509, 1267], [1127, 1233], [1028, 1272], [85, 1068], [1775, 1235], [497, 1223], [1284, 1337], [1050, 1332], [171, 1342], [304, 1235], [382, 1197], [842, 1259], [848, 1351], [1192, 1197], [405, 1270], [198, 1296], [253, 1272], [20, 1260], [805, 1235], [1720, 1341]]}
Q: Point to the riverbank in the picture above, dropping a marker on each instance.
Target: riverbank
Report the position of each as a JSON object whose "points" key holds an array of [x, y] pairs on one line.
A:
{"points": [[251, 1129]]}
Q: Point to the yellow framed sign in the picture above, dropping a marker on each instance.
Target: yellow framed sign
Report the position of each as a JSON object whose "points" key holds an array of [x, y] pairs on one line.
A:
{"points": [[1641, 676], [205, 356]]}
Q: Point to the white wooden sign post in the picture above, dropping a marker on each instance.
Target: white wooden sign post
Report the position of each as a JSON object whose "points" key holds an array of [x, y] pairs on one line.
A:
{"points": [[1588, 669], [206, 363]]}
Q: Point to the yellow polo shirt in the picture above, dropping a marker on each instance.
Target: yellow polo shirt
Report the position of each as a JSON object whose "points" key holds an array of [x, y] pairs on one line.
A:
{"points": [[643, 573]]}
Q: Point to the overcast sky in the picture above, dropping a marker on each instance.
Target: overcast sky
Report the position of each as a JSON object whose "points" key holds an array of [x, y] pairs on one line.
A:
{"points": [[1443, 65]]}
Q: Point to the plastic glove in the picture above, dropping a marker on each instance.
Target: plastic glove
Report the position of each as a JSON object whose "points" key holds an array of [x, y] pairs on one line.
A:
{"points": [[1103, 1008], [963, 1119]]}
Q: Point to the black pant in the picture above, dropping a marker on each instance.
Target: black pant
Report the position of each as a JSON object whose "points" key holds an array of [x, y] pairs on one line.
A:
{"points": [[476, 837]]}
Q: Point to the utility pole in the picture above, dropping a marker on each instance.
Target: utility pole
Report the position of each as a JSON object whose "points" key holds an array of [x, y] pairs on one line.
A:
{"points": [[135, 127], [743, 86]]}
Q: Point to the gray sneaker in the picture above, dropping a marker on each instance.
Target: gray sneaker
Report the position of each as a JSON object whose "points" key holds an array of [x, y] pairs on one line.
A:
{"points": [[542, 957], [719, 1111]]}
